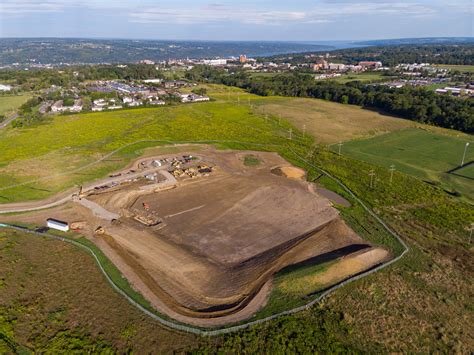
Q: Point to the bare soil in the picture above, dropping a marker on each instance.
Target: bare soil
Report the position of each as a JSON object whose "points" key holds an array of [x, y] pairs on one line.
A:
{"points": [[222, 239]]}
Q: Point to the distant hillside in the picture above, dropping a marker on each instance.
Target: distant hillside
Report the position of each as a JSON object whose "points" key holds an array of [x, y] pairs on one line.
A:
{"points": [[393, 54], [427, 40], [58, 50]]}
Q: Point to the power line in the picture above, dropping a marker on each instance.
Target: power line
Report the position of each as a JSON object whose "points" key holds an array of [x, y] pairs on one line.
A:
{"points": [[392, 169], [464, 155], [372, 175]]}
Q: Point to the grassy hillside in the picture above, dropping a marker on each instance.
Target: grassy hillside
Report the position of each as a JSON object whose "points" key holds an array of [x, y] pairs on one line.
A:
{"points": [[36, 170], [421, 304], [71, 142], [331, 122], [423, 154]]}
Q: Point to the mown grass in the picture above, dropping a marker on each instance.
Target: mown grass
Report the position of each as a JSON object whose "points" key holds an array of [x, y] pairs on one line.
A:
{"points": [[460, 68], [364, 77], [423, 154], [11, 103]]}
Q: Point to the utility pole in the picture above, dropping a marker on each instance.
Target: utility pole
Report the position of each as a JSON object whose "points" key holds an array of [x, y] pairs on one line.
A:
{"points": [[304, 130], [372, 175], [471, 228], [340, 145], [392, 169], [464, 155], [291, 133]]}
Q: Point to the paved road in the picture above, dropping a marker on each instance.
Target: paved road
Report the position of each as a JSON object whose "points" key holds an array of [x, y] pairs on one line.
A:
{"points": [[8, 120]]}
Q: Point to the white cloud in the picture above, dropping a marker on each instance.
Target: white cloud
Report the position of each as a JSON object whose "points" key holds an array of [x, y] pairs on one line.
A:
{"points": [[218, 13], [31, 6], [189, 12]]}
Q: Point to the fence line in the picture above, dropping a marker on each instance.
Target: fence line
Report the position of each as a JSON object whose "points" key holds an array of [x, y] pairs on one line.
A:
{"points": [[235, 328]]}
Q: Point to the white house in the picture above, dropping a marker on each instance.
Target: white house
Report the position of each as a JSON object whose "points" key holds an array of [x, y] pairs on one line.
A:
{"points": [[5, 87], [152, 81], [76, 107], [57, 106], [157, 102], [215, 61], [193, 98]]}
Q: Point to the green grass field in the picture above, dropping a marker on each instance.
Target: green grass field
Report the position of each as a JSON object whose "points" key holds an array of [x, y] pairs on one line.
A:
{"points": [[9, 104], [70, 142], [423, 154], [461, 68], [366, 76]]}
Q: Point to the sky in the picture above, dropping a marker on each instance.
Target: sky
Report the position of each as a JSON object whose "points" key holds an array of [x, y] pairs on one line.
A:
{"points": [[274, 20]]}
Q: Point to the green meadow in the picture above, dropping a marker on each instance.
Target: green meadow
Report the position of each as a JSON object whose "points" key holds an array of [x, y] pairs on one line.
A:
{"points": [[45, 153], [460, 68], [426, 155], [11, 103]]}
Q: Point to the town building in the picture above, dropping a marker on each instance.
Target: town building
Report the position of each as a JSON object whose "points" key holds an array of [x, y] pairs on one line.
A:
{"points": [[214, 62], [336, 66], [152, 81], [193, 98], [58, 106], [146, 61], [370, 65]]}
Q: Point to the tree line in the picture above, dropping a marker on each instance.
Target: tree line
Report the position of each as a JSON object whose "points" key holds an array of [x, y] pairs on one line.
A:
{"points": [[459, 54]]}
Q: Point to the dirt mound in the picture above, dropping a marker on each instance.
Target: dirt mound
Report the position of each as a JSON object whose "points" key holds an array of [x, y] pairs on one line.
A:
{"points": [[345, 267], [221, 237], [290, 172]]}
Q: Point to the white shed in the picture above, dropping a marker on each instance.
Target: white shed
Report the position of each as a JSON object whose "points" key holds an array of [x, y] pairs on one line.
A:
{"points": [[55, 224]]}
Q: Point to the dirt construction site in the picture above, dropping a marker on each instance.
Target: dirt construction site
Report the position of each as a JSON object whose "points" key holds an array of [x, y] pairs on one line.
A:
{"points": [[200, 235]]}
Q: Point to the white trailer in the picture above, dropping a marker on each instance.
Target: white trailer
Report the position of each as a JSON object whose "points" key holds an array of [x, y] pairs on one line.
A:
{"points": [[59, 225]]}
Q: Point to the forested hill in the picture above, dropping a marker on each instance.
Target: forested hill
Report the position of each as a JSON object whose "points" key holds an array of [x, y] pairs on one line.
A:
{"points": [[396, 54], [64, 50], [416, 104]]}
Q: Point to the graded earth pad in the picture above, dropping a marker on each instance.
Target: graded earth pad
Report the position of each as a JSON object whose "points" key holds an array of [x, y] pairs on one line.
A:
{"points": [[201, 236]]}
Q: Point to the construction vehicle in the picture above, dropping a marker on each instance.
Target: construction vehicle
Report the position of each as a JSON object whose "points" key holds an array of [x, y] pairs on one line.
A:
{"points": [[99, 230]]}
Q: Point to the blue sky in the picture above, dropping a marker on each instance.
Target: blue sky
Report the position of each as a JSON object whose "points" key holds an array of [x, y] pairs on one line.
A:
{"points": [[283, 20]]}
